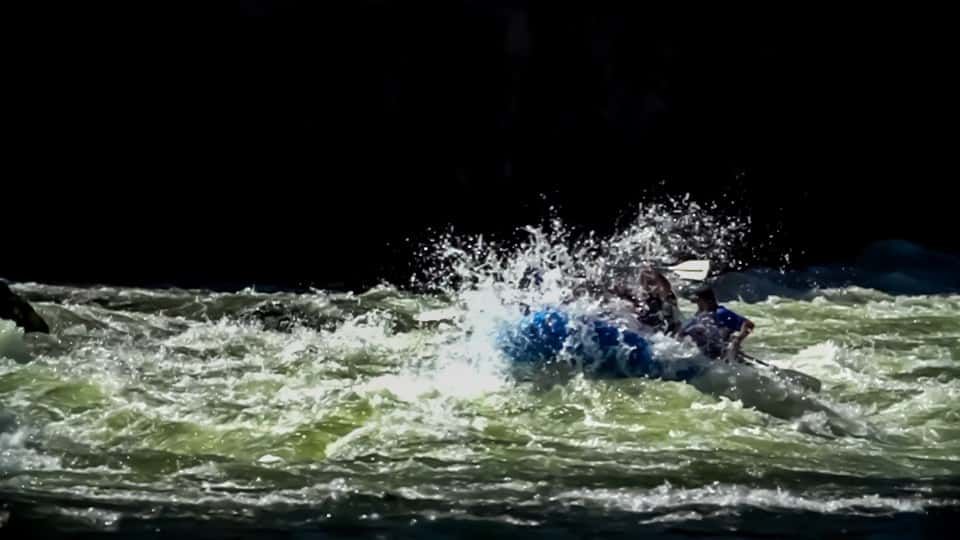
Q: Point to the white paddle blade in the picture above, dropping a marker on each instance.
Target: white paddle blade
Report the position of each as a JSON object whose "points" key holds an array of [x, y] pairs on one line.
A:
{"points": [[692, 270]]}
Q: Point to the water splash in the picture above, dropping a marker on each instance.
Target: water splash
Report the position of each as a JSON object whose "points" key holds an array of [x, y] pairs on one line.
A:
{"points": [[561, 259], [11, 342]]}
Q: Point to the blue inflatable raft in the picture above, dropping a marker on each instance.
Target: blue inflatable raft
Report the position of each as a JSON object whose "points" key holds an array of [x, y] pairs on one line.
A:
{"points": [[599, 347]]}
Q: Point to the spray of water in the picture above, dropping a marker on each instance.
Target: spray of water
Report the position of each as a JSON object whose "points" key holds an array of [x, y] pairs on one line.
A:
{"points": [[550, 264]]}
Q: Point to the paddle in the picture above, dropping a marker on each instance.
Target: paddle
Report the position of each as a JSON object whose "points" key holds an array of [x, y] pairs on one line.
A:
{"points": [[808, 382], [691, 270]]}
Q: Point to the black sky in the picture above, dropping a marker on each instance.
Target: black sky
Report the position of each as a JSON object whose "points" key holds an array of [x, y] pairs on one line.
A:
{"points": [[304, 147]]}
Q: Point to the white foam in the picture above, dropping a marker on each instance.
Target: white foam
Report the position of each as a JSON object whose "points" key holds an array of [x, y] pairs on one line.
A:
{"points": [[16, 457], [728, 496], [11, 342]]}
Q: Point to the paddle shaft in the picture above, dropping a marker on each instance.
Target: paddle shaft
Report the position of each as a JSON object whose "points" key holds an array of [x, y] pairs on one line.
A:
{"points": [[807, 381], [757, 360]]}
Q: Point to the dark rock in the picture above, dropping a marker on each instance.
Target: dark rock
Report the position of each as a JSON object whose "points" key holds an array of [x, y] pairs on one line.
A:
{"points": [[16, 309]]}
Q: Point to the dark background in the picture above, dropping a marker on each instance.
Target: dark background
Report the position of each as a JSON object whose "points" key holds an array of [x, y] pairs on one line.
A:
{"points": [[305, 147]]}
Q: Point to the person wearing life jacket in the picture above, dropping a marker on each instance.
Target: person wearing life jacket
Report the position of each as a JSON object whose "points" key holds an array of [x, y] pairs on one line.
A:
{"points": [[716, 330], [654, 302]]}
